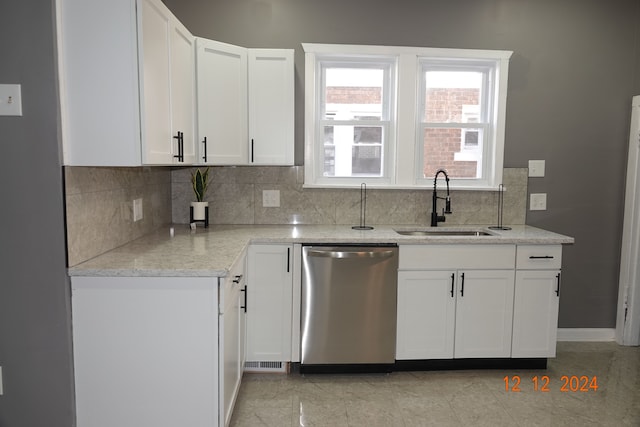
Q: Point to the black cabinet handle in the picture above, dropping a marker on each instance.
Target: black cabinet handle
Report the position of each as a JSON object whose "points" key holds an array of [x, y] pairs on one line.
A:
{"points": [[462, 285], [541, 257], [558, 285], [204, 141], [245, 298], [237, 278], [288, 259], [180, 138], [251, 150], [453, 280]]}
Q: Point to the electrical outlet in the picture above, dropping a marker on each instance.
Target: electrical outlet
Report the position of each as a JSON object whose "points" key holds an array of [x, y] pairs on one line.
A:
{"points": [[137, 210], [270, 198], [538, 202], [536, 168]]}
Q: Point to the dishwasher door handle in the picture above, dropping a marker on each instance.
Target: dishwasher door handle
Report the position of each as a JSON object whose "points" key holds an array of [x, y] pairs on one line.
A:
{"points": [[350, 254]]}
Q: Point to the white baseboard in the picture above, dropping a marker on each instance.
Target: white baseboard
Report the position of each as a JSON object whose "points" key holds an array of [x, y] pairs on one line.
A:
{"points": [[586, 334]]}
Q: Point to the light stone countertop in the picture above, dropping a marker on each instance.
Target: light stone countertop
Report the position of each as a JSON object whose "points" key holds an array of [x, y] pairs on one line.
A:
{"points": [[178, 251]]}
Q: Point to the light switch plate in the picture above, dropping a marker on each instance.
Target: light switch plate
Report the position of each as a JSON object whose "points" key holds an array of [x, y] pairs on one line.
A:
{"points": [[270, 198], [10, 100], [536, 168], [538, 202]]}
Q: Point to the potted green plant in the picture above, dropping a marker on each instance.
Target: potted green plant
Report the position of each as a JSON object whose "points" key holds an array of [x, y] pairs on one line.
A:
{"points": [[200, 182]]}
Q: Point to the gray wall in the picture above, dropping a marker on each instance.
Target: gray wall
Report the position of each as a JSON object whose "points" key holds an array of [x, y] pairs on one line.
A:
{"points": [[571, 80], [35, 345]]}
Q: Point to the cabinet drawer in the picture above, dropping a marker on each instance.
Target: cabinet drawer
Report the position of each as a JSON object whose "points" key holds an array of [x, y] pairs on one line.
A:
{"points": [[533, 257], [422, 257]]}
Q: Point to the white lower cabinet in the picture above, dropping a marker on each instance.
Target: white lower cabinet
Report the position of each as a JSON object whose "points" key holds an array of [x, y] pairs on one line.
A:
{"points": [[454, 314], [484, 313], [478, 301], [157, 351], [232, 337], [426, 315], [536, 302], [270, 303], [463, 311]]}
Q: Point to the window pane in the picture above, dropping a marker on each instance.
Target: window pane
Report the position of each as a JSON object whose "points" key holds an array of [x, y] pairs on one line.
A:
{"points": [[353, 93], [453, 96], [352, 151], [458, 150]]}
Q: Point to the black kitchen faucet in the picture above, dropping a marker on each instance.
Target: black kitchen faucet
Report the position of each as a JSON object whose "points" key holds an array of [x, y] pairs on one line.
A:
{"points": [[435, 218]]}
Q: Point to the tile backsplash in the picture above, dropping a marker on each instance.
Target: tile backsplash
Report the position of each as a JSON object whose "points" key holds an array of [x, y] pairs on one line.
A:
{"points": [[99, 205], [235, 197]]}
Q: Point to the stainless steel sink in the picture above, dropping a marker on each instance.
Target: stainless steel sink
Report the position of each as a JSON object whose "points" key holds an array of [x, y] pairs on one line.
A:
{"points": [[422, 232]]}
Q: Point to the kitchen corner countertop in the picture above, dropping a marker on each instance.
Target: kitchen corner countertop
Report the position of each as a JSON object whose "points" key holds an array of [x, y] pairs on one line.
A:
{"points": [[177, 250]]}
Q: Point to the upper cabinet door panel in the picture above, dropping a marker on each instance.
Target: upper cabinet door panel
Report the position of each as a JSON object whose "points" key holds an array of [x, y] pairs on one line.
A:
{"points": [[183, 87], [98, 71], [222, 103], [156, 92], [271, 106]]}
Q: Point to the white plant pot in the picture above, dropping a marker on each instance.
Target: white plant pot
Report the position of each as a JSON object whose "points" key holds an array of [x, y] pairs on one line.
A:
{"points": [[199, 210]]}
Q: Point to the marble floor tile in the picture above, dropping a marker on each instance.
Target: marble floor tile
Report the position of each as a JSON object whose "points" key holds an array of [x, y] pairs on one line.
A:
{"points": [[454, 398]]}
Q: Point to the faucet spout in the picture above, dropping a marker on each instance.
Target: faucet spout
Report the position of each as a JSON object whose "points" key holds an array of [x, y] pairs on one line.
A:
{"points": [[435, 218]]}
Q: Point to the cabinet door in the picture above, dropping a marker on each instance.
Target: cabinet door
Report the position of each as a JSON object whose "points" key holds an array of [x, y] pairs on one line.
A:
{"points": [[426, 315], [183, 86], [145, 351], [98, 71], [269, 311], [222, 103], [157, 147], [232, 342], [484, 313], [271, 106], [535, 313]]}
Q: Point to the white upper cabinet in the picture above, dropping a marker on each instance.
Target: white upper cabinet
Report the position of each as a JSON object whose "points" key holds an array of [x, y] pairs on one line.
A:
{"points": [[183, 89], [222, 103], [168, 87], [126, 83], [129, 95], [98, 72], [271, 106]]}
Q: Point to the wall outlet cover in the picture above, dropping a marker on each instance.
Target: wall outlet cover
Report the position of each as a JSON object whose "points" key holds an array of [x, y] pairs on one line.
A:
{"points": [[538, 202], [270, 198], [536, 168], [137, 210]]}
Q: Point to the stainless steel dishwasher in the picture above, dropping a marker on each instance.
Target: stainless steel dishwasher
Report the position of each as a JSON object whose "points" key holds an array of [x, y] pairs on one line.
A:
{"points": [[348, 313]]}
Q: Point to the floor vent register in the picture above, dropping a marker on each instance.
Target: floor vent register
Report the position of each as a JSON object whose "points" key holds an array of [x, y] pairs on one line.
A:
{"points": [[265, 367]]}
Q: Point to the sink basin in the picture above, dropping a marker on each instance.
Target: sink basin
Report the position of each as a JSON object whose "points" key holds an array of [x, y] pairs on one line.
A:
{"points": [[472, 233]]}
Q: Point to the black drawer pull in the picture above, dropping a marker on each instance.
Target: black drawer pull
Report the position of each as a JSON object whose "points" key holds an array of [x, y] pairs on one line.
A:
{"points": [[245, 298], [541, 257]]}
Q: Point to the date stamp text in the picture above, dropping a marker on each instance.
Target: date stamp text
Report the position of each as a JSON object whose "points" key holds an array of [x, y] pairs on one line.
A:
{"points": [[544, 384]]}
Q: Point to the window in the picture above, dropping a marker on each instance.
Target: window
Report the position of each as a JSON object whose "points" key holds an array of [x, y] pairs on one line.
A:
{"points": [[354, 104], [392, 116]]}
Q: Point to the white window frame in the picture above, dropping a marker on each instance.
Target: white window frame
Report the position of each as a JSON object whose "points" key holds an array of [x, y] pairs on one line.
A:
{"points": [[403, 164], [315, 152]]}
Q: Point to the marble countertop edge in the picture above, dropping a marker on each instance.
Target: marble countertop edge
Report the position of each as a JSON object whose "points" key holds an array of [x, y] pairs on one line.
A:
{"points": [[177, 251]]}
